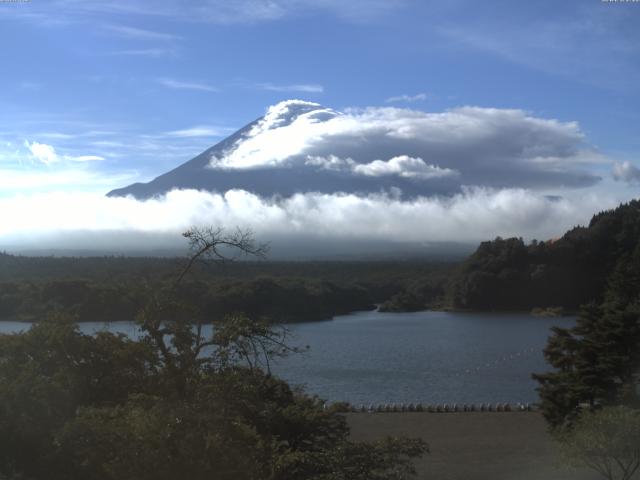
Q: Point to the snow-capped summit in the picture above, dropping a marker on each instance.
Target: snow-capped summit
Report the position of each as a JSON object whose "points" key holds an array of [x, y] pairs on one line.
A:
{"points": [[285, 113]]}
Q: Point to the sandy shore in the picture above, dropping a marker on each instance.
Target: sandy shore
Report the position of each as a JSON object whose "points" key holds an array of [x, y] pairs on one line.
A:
{"points": [[474, 446]]}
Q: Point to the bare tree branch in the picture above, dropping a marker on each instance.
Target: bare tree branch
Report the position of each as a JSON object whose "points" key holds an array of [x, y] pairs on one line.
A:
{"points": [[210, 242]]}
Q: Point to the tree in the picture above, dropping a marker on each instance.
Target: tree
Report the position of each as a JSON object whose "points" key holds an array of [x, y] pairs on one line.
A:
{"points": [[568, 272], [598, 361], [607, 441], [175, 403]]}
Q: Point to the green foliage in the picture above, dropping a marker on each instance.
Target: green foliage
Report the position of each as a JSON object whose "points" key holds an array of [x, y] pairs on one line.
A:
{"points": [[607, 441], [74, 406], [426, 293], [281, 300], [506, 274], [597, 362], [106, 289], [46, 374], [174, 404]]}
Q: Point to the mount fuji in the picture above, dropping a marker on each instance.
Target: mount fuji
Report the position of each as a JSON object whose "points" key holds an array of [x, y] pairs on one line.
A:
{"points": [[295, 148], [302, 147], [371, 181]]}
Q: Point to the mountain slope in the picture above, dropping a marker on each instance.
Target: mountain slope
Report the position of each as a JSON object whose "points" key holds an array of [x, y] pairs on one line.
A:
{"points": [[287, 152]]}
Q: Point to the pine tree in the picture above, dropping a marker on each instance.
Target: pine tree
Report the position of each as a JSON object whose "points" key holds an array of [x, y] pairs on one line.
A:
{"points": [[597, 362]]}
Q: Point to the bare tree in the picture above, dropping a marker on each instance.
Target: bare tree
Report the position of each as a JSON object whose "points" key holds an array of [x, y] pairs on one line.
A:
{"points": [[176, 330], [217, 244]]}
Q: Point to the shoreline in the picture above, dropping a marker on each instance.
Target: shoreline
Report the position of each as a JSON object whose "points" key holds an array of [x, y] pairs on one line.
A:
{"points": [[542, 314]]}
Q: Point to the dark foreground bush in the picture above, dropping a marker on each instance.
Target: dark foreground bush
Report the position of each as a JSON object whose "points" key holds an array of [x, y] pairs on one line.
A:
{"points": [[171, 405]]}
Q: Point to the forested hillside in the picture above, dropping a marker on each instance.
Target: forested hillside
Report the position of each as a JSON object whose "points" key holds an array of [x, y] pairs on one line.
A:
{"points": [[507, 274], [115, 288]]}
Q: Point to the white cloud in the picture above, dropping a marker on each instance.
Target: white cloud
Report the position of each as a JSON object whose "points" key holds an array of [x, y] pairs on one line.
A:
{"points": [[74, 220], [403, 166], [140, 33], [180, 85], [626, 172], [485, 146], [74, 178], [199, 131], [300, 87], [42, 152], [47, 154], [56, 135], [330, 162], [407, 98], [85, 158], [146, 52], [62, 12]]}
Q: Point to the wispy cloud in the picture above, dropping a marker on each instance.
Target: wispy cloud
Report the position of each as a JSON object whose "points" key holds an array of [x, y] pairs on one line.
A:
{"points": [[298, 87], [200, 131], [593, 45], [74, 178], [56, 135], [146, 52], [47, 155], [407, 98], [182, 85], [85, 158], [52, 135], [140, 33], [62, 12]]}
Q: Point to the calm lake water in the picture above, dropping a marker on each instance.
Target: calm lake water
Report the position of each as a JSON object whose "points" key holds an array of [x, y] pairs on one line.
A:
{"points": [[428, 357]]}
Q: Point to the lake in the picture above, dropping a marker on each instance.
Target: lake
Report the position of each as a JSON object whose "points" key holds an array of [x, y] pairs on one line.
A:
{"points": [[428, 357]]}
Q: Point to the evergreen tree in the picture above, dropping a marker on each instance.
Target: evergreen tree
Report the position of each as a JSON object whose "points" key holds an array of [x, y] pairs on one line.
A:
{"points": [[597, 361]]}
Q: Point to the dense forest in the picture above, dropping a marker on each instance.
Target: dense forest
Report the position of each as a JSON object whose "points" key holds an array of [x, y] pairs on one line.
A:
{"points": [[596, 363], [554, 276], [506, 274], [503, 274], [115, 288]]}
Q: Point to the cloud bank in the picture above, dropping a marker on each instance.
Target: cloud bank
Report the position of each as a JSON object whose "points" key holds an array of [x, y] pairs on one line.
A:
{"points": [[90, 221], [475, 172], [498, 148]]}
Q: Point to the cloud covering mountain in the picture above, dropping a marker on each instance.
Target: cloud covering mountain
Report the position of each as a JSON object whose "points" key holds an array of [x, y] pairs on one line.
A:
{"points": [[311, 222], [309, 175], [300, 147]]}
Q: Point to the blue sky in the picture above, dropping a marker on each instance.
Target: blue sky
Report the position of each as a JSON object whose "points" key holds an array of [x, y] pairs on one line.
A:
{"points": [[98, 94]]}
